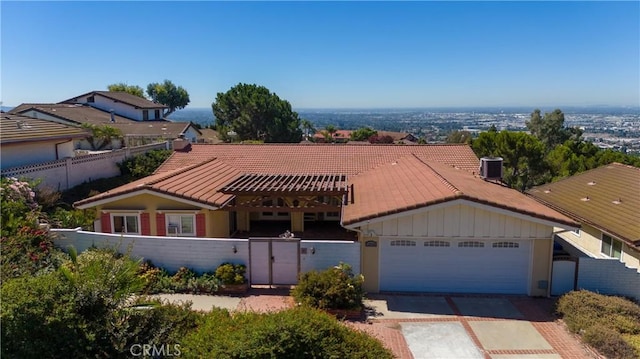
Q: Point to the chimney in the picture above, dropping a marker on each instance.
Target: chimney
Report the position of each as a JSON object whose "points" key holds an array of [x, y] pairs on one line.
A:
{"points": [[180, 144], [113, 117]]}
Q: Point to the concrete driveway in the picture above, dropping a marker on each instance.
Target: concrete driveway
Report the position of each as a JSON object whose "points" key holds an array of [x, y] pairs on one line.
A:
{"points": [[439, 326], [431, 326]]}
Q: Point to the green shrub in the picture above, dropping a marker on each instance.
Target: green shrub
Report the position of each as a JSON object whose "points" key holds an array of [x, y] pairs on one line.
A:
{"points": [[72, 218], [85, 309], [333, 288], [293, 333], [607, 323], [229, 273], [185, 280], [145, 164], [609, 342]]}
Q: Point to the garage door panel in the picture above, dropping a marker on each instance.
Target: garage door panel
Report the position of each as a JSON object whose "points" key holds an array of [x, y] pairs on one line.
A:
{"points": [[455, 269]]}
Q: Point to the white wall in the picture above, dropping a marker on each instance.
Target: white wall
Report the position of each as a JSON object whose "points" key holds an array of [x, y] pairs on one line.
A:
{"points": [[328, 254], [199, 254], [66, 173], [204, 254], [119, 108], [608, 276], [29, 153], [191, 135]]}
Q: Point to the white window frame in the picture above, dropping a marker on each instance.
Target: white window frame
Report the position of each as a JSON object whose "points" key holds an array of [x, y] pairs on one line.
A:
{"points": [[179, 233], [613, 240], [124, 214], [576, 232]]}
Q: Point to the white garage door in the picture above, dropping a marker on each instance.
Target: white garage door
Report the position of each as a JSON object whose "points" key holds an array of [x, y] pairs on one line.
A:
{"points": [[455, 266]]}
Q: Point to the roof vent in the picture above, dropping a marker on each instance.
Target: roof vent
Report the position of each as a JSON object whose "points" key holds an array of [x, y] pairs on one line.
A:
{"points": [[491, 168]]}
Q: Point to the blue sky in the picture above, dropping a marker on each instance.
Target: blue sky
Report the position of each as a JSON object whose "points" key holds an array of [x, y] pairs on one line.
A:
{"points": [[329, 54]]}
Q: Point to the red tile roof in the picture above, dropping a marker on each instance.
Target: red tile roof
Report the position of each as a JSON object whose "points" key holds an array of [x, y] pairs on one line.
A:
{"points": [[198, 183], [613, 205], [386, 179], [319, 158], [412, 182]]}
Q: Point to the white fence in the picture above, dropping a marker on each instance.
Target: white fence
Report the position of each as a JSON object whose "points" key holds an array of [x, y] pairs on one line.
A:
{"points": [[608, 276], [69, 172], [204, 254]]}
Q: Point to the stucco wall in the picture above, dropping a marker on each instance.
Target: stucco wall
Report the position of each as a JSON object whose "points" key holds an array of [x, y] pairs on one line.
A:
{"points": [[589, 242], [328, 254], [205, 254], [66, 173], [20, 154], [541, 267], [200, 254]]}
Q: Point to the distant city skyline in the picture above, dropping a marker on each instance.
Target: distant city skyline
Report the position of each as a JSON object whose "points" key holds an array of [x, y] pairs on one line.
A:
{"points": [[336, 55]]}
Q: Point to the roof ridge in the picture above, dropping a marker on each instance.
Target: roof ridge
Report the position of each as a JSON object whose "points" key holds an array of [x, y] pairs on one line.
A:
{"points": [[453, 188], [583, 173], [179, 171], [623, 165]]}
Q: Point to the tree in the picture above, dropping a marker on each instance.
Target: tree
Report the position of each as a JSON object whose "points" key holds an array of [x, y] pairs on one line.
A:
{"points": [[523, 155], [101, 136], [308, 128], [457, 136], [363, 134], [168, 94], [252, 112], [550, 128], [123, 87]]}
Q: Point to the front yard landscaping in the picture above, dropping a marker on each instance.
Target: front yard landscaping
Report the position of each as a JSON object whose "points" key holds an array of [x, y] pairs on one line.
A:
{"points": [[609, 324]]}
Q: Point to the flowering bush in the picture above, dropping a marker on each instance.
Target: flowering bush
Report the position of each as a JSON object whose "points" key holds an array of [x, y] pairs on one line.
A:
{"points": [[17, 204]]}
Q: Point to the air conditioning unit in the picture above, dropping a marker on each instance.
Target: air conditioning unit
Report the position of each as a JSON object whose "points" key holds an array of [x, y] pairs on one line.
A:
{"points": [[491, 168]]}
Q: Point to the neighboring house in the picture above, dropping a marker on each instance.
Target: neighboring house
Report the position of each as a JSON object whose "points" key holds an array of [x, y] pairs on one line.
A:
{"points": [[425, 222], [209, 135], [606, 202], [122, 103], [340, 136], [344, 136], [28, 141], [399, 137], [134, 132]]}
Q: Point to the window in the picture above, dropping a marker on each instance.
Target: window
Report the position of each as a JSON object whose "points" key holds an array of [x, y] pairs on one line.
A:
{"points": [[505, 245], [125, 223], [274, 215], [403, 243], [576, 232], [157, 114], [91, 99], [611, 247], [437, 244], [181, 225], [471, 244], [145, 115]]}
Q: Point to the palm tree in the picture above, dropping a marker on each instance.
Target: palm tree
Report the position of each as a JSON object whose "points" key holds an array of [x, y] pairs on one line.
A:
{"points": [[308, 128], [102, 136]]}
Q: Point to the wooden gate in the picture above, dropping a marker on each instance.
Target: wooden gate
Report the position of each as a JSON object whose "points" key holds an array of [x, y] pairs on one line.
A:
{"points": [[274, 261]]}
